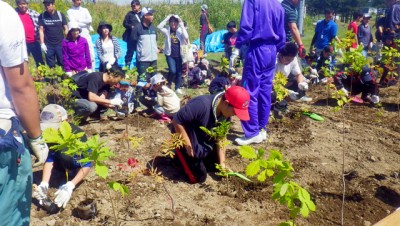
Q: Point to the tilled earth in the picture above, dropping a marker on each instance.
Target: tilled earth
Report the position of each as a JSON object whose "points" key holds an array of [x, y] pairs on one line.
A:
{"points": [[367, 137]]}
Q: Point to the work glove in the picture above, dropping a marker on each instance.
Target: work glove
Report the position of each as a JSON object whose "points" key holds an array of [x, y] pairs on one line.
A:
{"points": [[375, 99], [108, 66], [40, 192], [303, 86], [110, 63], [131, 107], [116, 102], [44, 48], [63, 194], [69, 73], [302, 51], [39, 149], [345, 91], [314, 73], [89, 71], [371, 44], [293, 95], [120, 115]]}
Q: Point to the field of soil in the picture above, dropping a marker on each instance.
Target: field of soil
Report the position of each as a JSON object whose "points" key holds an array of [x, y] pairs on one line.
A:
{"points": [[369, 138]]}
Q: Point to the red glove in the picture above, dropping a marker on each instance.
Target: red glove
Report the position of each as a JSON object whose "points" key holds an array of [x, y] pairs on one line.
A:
{"points": [[302, 51]]}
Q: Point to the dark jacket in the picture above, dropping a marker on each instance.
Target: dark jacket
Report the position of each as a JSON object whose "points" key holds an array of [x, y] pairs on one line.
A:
{"points": [[130, 21]]}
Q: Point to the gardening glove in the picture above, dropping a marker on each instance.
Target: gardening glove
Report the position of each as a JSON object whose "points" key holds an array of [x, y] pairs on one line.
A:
{"points": [[40, 192], [39, 149], [293, 95], [108, 66], [131, 107], [116, 102], [120, 115], [303, 86], [314, 73], [375, 99], [345, 91], [89, 71], [69, 73], [147, 98], [63, 194], [44, 48], [371, 44], [302, 51]]}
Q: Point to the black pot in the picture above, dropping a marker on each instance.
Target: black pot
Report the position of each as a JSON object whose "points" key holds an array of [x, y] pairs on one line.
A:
{"points": [[86, 209]]}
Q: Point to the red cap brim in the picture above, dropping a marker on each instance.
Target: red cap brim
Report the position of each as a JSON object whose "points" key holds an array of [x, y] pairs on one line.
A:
{"points": [[242, 114]]}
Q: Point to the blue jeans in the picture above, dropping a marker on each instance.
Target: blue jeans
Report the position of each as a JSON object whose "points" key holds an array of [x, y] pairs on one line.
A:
{"points": [[34, 49], [175, 70], [15, 179], [84, 108], [53, 52]]}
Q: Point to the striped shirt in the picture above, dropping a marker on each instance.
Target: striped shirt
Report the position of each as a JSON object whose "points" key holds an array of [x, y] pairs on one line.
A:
{"points": [[290, 17]]}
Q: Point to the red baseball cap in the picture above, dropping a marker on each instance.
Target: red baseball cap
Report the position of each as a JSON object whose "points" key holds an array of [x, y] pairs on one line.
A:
{"points": [[239, 98]]}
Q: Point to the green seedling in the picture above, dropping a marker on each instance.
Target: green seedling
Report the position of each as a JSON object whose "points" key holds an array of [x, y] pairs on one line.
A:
{"points": [[280, 82], [286, 191], [224, 64], [219, 133]]}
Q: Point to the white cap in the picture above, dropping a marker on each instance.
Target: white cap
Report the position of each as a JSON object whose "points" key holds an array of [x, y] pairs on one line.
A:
{"points": [[146, 10], [73, 25], [52, 116], [367, 15], [157, 78]]}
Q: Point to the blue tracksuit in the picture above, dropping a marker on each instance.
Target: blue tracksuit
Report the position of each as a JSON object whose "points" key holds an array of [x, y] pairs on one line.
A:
{"points": [[262, 28]]}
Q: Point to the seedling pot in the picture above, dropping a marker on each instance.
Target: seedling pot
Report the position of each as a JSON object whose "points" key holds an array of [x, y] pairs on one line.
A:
{"points": [[87, 209]]}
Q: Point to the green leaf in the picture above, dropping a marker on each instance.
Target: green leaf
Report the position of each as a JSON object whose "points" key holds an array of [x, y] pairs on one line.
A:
{"points": [[51, 136], [270, 172], [123, 189], [262, 176], [304, 210], [247, 152], [279, 177], [275, 154], [65, 130], [241, 176], [253, 168], [260, 153], [284, 189], [101, 170]]}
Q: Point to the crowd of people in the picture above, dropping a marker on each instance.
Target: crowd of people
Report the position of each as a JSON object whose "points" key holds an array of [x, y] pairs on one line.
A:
{"points": [[266, 42]]}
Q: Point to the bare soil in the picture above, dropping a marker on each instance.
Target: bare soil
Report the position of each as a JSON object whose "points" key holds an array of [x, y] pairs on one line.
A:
{"points": [[369, 138]]}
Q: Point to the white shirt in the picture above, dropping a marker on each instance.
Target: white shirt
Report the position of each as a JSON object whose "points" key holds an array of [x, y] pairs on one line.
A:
{"points": [[292, 68], [12, 53], [82, 17], [108, 50]]}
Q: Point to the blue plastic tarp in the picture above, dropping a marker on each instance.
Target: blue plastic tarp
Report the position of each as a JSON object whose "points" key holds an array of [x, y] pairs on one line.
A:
{"points": [[213, 42], [121, 59]]}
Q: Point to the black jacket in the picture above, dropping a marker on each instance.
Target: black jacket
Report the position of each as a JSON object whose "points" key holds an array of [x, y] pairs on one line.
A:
{"points": [[130, 21]]}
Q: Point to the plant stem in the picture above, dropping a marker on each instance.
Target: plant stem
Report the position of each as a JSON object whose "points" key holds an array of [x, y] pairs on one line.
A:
{"points": [[172, 200], [113, 207], [343, 172], [127, 136]]}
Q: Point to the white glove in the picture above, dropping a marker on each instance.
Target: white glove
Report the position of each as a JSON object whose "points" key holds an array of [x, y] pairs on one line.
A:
{"points": [[375, 99], [147, 98], [39, 149], [314, 73], [40, 192], [63, 194], [345, 91], [116, 102], [370, 45], [131, 107], [120, 115], [324, 80], [69, 73], [303, 86], [293, 94], [43, 47], [108, 66], [112, 61], [89, 71]]}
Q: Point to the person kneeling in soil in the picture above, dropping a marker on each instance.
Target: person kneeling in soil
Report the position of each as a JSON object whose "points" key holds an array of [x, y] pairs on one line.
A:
{"points": [[51, 117], [126, 93], [93, 90], [207, 110], [168, 103], [224, 80], [363, 83]]}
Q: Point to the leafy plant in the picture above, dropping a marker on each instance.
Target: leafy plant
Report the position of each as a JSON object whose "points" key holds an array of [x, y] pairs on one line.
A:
{"points": [[169, 145], [219, 133], [132, 74], [286, 191], [224, 64], [224, 172], [279, 82], [341, 99]]}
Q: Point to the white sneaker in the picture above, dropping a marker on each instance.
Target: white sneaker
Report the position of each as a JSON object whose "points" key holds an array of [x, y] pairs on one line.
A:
{"points": [[179, 91], [304, 99], [246, 141], [263, 134]]}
